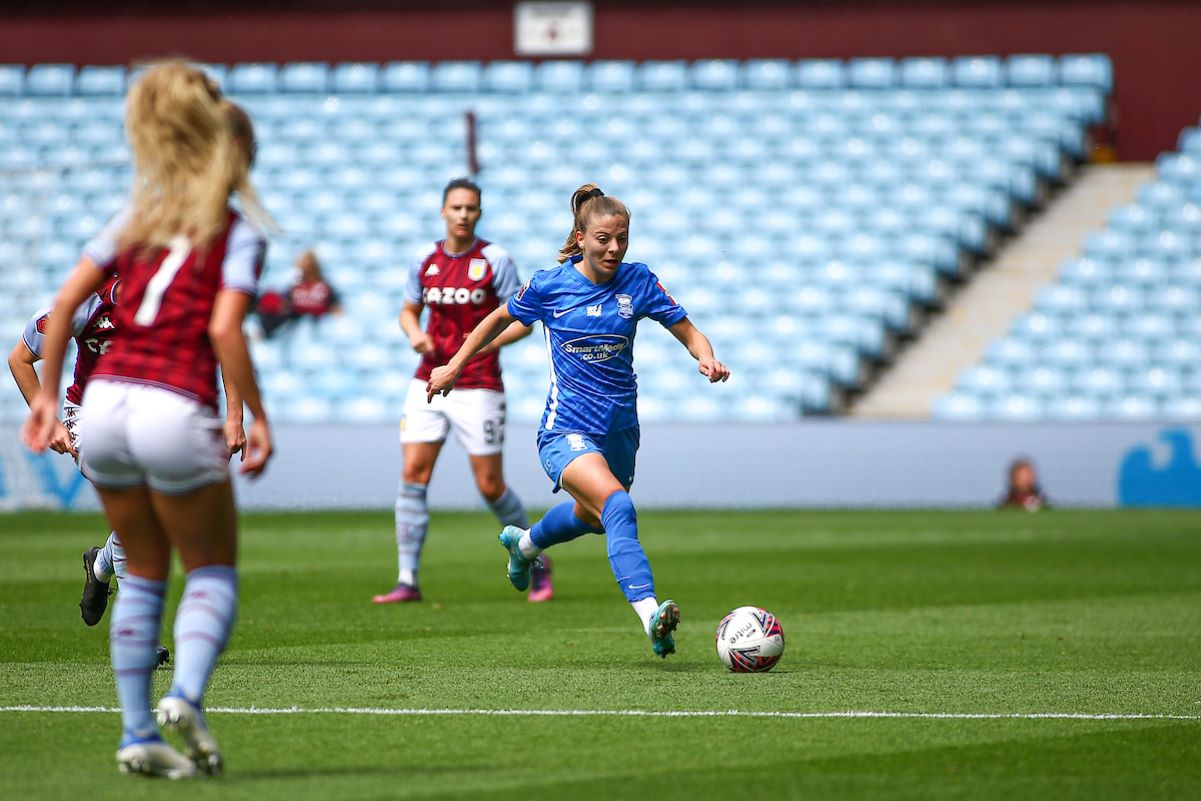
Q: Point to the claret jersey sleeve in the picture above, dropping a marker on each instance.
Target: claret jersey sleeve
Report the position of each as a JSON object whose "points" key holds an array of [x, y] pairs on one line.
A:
{"points": [[505, 279]]}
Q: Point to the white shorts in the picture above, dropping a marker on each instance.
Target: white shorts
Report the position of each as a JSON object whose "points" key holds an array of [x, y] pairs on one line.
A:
{"points": [[476, 415], [71, 413], [134, 434]]}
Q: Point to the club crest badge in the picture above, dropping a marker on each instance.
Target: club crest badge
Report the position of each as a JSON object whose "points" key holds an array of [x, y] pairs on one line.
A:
{"points": [[625, 306], [477, 269]]}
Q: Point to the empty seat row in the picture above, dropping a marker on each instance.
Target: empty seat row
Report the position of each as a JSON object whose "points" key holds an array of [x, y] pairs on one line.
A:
{"points": [[1094, 70]]}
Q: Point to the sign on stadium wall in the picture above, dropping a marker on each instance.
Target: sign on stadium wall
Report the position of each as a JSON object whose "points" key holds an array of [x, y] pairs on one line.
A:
{"points": [[552, 28], [834, 463]]}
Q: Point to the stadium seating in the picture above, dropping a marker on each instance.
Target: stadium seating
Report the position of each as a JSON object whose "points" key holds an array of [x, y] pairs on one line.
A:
{"points": [[808, 214], [1115, 337]]}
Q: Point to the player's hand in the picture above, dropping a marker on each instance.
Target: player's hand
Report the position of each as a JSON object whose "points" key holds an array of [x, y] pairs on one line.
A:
{"points": [[235, 438], [442, 380], [713, 370], [257, 449], [422, 343], [60, 439], [38, 428]]}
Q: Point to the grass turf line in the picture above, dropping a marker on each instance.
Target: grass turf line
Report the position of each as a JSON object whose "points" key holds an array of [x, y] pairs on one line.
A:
{"points": [[911, 612]]}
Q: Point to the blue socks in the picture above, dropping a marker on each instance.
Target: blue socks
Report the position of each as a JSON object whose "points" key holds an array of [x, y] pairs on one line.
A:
{"points": [[626, 557], [202, 627], [560, 524], [412, 521], [110, 560], [509, 511], [133, 636]]}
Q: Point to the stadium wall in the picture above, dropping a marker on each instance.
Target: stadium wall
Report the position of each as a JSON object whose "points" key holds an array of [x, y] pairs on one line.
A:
{"points": [[1153, 43], [826, 463]]}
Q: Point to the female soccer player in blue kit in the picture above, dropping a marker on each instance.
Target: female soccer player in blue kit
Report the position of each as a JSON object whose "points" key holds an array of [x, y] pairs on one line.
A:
{"points": [[590, 306]]}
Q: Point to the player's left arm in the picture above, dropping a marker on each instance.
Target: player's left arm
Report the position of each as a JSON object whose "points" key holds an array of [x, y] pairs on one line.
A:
{"points": [[234, 429], [701, 349]]}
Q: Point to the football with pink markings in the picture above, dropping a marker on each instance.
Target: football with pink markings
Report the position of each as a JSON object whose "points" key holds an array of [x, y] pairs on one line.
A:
{"points": [[750, 640]]}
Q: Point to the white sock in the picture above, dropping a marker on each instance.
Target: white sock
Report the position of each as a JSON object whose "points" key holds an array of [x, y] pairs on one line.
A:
{"points": [[527, 547], [408, 577], [646, 609]]}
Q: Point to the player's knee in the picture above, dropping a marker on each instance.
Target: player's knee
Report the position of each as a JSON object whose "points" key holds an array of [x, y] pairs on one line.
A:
{"points": [[491, 486], [619, 517], [418, 473]]}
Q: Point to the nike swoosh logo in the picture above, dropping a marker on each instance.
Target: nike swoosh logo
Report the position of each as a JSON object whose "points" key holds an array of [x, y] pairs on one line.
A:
{"points": [[557, 314]]}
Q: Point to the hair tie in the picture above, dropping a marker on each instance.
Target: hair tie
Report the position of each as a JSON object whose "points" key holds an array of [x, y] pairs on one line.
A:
{"points": [[588, 196]]}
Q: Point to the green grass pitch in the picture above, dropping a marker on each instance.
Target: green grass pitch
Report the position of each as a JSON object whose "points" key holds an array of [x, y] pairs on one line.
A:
{"points": [[966, 613]]}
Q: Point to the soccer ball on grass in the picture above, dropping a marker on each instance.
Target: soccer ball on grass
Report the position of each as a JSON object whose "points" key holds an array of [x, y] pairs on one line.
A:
{"points": [[750, 640]]}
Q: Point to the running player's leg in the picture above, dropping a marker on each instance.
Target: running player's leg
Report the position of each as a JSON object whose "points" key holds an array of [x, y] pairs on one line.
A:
{"points": [[591, 481]]}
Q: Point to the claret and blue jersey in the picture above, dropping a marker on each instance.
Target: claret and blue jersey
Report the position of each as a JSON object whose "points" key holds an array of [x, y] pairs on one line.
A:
{"points": [[590, 332]]}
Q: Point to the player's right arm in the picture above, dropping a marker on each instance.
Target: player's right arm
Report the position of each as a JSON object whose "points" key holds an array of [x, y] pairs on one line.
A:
{"points": [[410, 323], [443, 379], [20, 363], [39, 428]]}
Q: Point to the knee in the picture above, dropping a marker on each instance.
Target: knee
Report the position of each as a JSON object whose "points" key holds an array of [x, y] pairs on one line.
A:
{"points": [[491, 486], [417, 473], [619, 517]]}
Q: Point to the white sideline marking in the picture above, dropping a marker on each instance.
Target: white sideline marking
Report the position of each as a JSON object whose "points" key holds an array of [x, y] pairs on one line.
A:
{"points": [[639, 713]]}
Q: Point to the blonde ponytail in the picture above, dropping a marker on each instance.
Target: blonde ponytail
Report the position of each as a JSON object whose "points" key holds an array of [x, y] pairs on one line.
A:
{"points": [[587, 203], [185, 157]]}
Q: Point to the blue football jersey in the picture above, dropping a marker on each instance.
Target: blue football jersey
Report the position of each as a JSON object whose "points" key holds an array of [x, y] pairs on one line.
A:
{"points": [[590, 337]]}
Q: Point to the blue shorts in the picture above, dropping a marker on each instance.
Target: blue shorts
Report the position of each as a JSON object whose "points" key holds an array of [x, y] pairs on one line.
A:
{"points": [[557, 449]]}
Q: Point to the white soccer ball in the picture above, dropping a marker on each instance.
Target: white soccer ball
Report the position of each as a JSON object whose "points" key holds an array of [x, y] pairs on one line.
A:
{"points": [[750, 640]]}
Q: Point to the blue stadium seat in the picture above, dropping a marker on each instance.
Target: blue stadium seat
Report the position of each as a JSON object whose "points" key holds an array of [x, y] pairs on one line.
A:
{"points": [[985, 381], [508, 76], [1131, 407], [405, 76], [1179, 168], [611, 76], [820, 74], [1073, 407], [354, 78], [12, 80], [49, 80], [559, 76], [959, 406], [93, 80], [981, 72], [252, 79], [925, 73], [662, 76], [1016, 406], [456, 76], [715, 74], [309, 76], [1093, 69], [872, 73], [1030, 70], [1161, 195], [766, 74]]}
